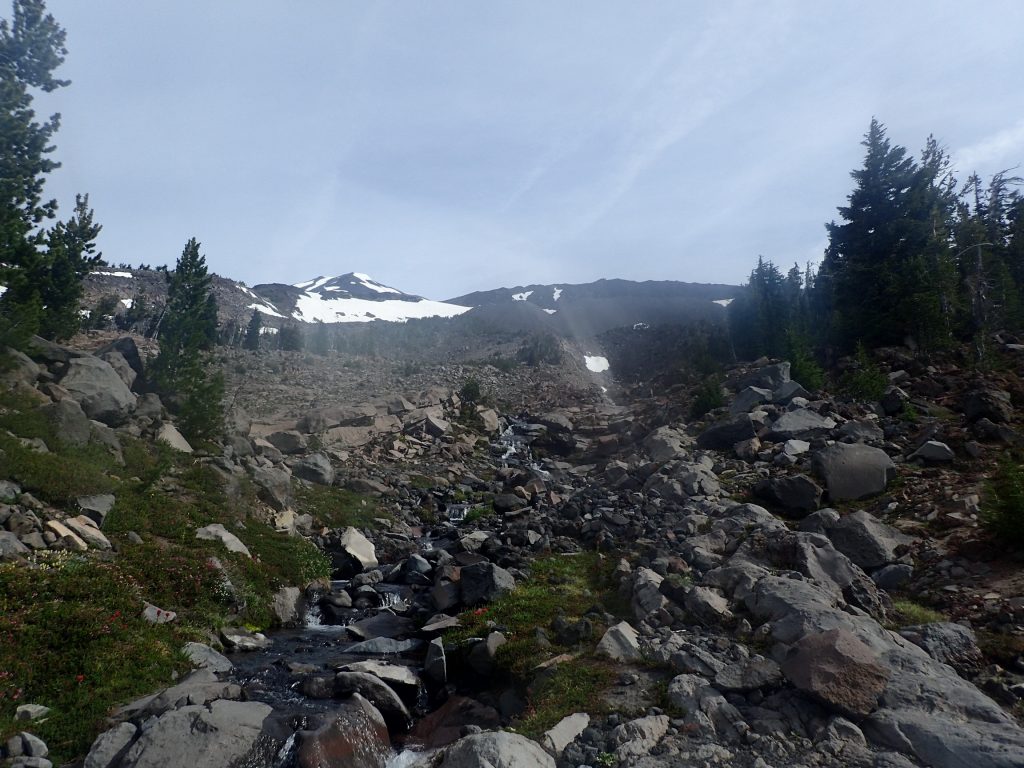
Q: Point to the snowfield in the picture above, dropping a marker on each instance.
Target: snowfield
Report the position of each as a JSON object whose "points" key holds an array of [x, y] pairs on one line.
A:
{"points": [[596, 363], [312, 307]]}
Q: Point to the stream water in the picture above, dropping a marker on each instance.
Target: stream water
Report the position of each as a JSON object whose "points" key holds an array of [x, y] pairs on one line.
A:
{"points": [[274, 675]]}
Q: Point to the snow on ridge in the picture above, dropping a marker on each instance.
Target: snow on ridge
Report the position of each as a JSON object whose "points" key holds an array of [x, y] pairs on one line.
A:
{"points": [[3, 290], [722, 302], [522, 296], [550, 311], [266, 309], [372, 284], [556, 293], [315, 307], [596, 363], [115, 274]]}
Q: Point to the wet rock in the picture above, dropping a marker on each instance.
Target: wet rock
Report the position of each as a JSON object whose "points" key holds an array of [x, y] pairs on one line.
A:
{"points": [[354, 737], [435, 666], [853, 471], [384, 646], [240, 639], [446, 724], [838, 670], [378, 693]]}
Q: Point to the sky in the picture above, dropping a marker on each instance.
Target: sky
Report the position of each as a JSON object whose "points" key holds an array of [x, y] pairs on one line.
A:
{"points": [[456, 145]]}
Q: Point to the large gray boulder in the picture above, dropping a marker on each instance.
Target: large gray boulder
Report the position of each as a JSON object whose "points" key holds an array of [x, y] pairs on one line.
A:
{"points": [[274, 486], [853, 471], [838, 670], [767, 377], [199, 736], [359, 549], [354, 736], [378, 693], [484, 582], [796, 494], [950, 643], [867, 541], [496, 749], [97, 387], [724, 435], [69, 420], [747, 398], [316, 468], [217, 532]]}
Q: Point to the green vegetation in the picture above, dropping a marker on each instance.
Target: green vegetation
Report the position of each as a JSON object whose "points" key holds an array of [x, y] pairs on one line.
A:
{"points": [[470, 391], [188, 332], [559, 586], [72, 635], [865, 380], [1003, 510], [335, 507], [917, 257], [707, 397], [42, 269], [907, 613]]}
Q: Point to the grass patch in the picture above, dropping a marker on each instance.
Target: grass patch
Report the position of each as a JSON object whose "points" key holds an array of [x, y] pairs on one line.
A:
{"points": [[72, 638], [334, 507], [906, 613], [1003, 649], [565, 586], [572, 686]]}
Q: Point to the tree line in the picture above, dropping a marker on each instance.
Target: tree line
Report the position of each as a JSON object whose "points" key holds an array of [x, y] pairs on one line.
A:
{"points": [[916, 258]]}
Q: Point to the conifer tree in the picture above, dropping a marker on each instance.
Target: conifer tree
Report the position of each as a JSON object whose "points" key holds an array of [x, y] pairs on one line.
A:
{"points": [[187, 333], [253, 331]]}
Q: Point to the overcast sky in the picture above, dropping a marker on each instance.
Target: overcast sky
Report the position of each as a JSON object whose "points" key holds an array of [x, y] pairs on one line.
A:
{"points": [[450, 146]]}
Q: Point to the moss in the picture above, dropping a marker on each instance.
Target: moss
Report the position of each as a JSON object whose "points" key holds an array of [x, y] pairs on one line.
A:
{"points": [[906, 613]]}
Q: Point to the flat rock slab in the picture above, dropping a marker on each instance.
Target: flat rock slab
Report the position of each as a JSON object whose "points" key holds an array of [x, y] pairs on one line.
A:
{"points": [[498, 749], [620, 643]]}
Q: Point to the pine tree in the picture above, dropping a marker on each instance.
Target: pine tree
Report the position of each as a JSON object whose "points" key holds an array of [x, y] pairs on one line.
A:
{"points": [[71, 255], [31, 48], [253, 331], [188, 331]]}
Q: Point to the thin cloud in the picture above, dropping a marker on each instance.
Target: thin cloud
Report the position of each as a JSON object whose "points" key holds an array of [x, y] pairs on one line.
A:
{"points": [[1004, 148]]}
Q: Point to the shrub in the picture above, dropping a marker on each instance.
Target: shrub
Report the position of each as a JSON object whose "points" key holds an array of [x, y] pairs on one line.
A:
{"points": [[707, 397], [1003, 510], [865, 381], [470, 391], [803, 367]]}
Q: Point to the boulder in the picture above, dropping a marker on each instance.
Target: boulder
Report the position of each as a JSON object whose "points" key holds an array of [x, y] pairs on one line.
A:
{"points": [[20, 369], [116, 361], [356, 736], [217, 532], [436, 426], [99, 390], [489, 418], [288, 441], [359, 549], [170, 435], [933, 450], [950, 643], [316, 468], [496, 749], [88, 531], [274, 486], [484, 582], [800, 423], [109, 747], [725, 434], [992, 404], [69, 420], [11, 547], [861, 432], [203, 656], [796, 494], [565, 732], [126, 348], [220, 733], [838, 670], [287, 606], [376, 692], [867, 541], [853, 471], [767, 377], [620, 643], [96, 507], [747, 398]]}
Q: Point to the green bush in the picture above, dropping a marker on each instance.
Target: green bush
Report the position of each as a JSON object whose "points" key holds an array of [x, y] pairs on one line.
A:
{"points": [[865, 381], [707, 397], [470, 391], [803, 367], [1003, 510]]}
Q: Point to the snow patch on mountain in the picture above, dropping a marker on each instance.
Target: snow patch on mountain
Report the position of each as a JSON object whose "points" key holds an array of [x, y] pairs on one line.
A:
{"points": [[556, 293], [116, 274], [550, 311], [266, 309], [314, 307], [722, 302], [522, 296], [596, 363]]}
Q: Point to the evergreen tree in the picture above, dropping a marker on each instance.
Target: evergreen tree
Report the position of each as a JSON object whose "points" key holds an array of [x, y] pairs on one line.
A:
{"points": [[252, 331], [321, 343], [188, 331], [31, 48], [71, 255]]}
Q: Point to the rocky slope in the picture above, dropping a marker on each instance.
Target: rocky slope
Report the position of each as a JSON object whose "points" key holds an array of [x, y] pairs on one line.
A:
{"points": [[759, 574]]}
